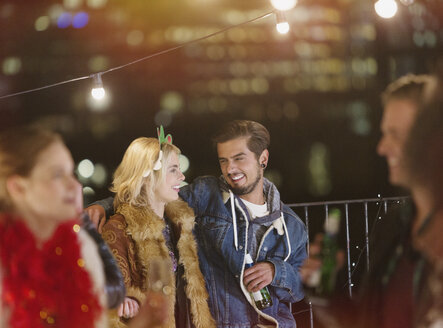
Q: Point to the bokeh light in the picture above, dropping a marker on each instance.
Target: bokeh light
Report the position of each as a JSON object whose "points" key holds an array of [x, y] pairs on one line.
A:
{"points": [[134, 38], [171, 101], [407, 2], [184, 163], [11, 65], [96, 3], [88, 191], [42, 23], [85, 168], [100, 175], [64, 20], [80, 20], [72, 4]]}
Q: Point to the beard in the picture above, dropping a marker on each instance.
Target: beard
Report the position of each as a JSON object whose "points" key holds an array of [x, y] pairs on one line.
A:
{"points": [[239, 191]]}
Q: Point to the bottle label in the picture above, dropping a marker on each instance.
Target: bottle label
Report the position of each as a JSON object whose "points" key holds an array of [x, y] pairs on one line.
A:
{"points": [[257, 296]]}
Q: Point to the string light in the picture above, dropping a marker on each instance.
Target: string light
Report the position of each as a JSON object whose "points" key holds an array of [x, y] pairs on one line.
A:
{"points": [[98, 75], [386, 8], [283, 4], [282, 24], [97, 92]]}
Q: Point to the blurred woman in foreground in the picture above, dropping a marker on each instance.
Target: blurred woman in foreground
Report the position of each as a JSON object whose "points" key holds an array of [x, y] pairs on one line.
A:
{"points": [[50, 268]]}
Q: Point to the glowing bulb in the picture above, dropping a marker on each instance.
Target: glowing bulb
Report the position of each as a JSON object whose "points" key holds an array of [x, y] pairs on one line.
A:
{"points": [[98, 92], [282, 24], [386, 8], [283, 4], [283, 28]]}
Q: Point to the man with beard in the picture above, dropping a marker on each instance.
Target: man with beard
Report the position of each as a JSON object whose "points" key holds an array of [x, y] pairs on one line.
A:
{"points": [[241, 214]]}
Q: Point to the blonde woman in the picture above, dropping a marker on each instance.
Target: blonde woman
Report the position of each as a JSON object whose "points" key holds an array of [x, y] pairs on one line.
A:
{"points": [[51, 273], [150, 222]]}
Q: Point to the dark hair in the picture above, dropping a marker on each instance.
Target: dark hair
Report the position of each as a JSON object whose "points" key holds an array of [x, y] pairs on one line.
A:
{"points": [[19, 150], [259, 138], [410, 87], [424, 150]]}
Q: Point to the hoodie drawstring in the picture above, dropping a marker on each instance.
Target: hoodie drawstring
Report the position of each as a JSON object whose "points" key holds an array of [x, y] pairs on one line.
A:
{"points": [[287, 236], [234, 219]]}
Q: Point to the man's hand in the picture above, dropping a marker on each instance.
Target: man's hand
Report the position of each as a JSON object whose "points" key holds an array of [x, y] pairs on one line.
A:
{"points": [[97, 215], [310, 270], [258, 276]]}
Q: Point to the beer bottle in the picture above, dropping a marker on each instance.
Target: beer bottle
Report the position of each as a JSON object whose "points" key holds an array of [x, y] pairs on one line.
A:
{"points": [[329, 254], [262, 298]]}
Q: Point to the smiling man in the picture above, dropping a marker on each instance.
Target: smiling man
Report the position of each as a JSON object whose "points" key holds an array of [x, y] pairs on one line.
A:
{"points": [[241, 213], [395, 277], [401, 100]]}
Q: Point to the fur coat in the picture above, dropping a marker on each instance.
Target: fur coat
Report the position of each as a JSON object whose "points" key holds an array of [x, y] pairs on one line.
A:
{"points": [[135, 236]]}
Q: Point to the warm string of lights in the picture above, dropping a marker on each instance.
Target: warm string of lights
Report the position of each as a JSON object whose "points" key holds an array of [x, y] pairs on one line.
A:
{"points": [[384, 8], [98, 92]]}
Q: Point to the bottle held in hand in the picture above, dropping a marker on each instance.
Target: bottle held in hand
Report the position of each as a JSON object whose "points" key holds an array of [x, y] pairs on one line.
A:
{"points": [[262, 298], [329, 254]]}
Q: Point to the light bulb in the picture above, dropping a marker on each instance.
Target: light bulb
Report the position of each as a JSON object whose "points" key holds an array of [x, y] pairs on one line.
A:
{"points": [[386, 8], [283, 4], [282, 24], [283, 28], [98, 92]]}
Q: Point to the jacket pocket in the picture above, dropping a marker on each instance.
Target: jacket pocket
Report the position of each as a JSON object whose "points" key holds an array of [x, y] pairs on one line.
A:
{"points": [[213, 232]]}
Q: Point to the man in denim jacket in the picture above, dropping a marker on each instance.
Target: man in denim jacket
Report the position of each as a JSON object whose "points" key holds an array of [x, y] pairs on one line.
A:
{"points": [[240, 213]]}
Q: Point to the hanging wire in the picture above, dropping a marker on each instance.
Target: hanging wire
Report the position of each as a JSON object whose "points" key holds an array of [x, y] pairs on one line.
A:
{"points": [[143, 58]]}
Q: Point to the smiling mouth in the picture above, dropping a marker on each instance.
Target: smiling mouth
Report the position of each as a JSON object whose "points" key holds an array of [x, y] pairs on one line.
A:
{"points": [[237, 177], [176, 188]]}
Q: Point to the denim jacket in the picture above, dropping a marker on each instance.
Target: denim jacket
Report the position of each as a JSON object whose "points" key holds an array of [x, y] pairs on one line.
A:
{"points": [[224, 233]]}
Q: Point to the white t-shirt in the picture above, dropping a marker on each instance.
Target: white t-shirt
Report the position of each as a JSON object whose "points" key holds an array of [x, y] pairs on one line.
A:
{"points": [[256, 211]]}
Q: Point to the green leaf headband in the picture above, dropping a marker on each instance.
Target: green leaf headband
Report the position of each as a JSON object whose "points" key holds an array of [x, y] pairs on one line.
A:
{"points": [[161, 136], [161, 139]]}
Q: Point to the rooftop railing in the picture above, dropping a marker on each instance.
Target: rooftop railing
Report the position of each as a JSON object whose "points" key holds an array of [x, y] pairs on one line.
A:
{"points": [[359, 217]]}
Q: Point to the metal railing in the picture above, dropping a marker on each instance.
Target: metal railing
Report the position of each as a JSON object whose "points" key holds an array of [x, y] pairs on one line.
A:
{"points": [[361, 214]]}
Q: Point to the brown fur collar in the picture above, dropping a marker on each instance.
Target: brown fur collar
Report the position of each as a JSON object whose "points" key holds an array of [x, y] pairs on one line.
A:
{"points": [[146, 229]]}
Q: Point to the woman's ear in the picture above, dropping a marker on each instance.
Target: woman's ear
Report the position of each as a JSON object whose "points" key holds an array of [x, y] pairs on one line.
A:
{"points": [[15, 185]]}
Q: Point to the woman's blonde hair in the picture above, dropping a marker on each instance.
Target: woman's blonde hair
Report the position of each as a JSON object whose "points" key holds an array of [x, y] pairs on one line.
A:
{"points": [[129, 184]]}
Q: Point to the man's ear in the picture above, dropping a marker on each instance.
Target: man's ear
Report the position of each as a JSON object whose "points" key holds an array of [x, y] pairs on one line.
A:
{"points": [[15, 185], [263, 159]]}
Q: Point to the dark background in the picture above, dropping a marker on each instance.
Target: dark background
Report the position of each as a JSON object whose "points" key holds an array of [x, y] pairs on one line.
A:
{"points": [[316, 89]]}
